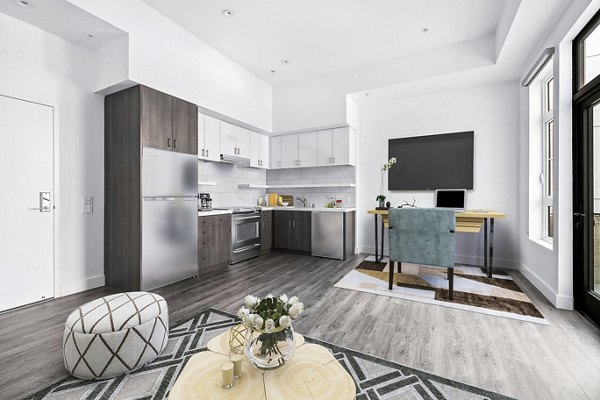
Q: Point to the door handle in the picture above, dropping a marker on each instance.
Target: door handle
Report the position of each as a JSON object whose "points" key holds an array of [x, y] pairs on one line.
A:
{"points": [[44, 202], [578, 214]]}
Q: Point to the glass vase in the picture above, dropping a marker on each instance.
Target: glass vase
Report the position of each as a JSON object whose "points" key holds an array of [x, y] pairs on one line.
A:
{"points": [[269, 351]]}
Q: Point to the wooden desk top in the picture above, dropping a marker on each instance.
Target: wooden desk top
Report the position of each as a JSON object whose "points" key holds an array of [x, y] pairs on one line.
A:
{"points": [[460, 214]]}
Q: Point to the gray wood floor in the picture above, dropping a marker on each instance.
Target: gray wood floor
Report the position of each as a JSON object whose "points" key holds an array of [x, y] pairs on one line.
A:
{"points": [[519, 359]]}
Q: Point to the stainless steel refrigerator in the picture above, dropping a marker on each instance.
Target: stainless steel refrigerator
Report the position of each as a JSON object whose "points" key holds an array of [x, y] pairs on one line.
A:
{"points": [[169, 217]]}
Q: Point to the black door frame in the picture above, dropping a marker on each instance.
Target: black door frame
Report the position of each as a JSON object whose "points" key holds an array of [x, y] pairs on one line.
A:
{"points": [[584, 97]]}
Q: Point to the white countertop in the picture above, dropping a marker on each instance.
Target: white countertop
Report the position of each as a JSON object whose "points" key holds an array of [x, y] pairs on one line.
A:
{"points": [[213, 212], [308, 209]]}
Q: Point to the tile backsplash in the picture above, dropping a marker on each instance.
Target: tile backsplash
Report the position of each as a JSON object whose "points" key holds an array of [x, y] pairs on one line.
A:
{"points": [[320, 175], [228, 177]]}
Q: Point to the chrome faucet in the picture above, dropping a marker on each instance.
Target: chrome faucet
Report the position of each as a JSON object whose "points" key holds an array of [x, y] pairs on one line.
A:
{"points": [[302, 199]]}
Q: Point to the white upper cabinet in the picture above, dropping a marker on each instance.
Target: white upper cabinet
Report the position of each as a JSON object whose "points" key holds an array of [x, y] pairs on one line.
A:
{"points": [[255, 149], [228, 139], [289, 151], [209, 138], [264, 151], [307, 149], [324, 147], [275, 151], [212, 139], [243, 142], [336, 147], [235, 140]]}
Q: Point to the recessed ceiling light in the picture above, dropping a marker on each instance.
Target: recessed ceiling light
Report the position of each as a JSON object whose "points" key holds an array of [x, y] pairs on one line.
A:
{"points": [[25, 3], [285, 61], [90, 36], [228, 13], [272, 71], [425, 30], [367, 94]]}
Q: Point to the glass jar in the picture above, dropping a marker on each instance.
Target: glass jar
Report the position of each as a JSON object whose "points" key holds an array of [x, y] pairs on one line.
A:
{"points": [[268, 351]]}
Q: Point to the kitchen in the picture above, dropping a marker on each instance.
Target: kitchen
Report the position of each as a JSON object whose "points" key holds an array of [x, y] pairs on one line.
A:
{"points": [[255, 192]]}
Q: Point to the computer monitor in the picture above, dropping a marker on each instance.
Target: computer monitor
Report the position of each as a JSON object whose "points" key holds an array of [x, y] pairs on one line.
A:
{"points": [[450, 198]]}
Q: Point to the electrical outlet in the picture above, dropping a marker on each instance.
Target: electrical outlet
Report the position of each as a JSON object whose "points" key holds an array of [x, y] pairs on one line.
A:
{"points": [[87, 204]]}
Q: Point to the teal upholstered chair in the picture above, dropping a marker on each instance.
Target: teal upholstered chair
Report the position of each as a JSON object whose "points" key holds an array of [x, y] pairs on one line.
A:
{"points": [[422, 236]]}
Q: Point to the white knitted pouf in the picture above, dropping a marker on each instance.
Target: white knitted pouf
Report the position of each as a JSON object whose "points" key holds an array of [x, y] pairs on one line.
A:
{"points": [[115, 335]]}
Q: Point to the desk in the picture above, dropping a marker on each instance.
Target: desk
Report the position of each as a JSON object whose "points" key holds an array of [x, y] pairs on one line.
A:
{"points": [[468, 221]]}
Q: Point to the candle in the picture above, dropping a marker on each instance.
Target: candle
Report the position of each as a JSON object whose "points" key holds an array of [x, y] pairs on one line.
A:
{"points": [[227, 374], [236, 359]]}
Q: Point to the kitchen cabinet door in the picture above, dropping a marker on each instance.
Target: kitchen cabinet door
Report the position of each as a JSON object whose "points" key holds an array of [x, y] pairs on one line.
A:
{"points": [[185, 127], [275, 151], [212, 139], [156, 119], [324, 147], [264, 151], [282, 232], [307, 149], [266, 230], [228, 139], [255, 149], [201, 136], [222, 243], [341, 146], [302, 231], [289, 151], [243, 142]]}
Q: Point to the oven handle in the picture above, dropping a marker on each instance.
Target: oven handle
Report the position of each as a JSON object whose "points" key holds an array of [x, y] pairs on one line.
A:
{"points": [[250, 247], [246, 218]]}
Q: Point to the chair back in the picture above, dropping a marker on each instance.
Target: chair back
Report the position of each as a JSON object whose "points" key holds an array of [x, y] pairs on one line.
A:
{"points": [[422, 236]]}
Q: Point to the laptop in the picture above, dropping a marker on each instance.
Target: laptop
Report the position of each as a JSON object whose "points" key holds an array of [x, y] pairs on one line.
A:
{"points": [[453, 199]]}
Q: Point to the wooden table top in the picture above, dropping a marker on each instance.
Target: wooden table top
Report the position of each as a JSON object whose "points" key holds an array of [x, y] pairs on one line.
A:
{"points": [[460, 214], [312, 373]]}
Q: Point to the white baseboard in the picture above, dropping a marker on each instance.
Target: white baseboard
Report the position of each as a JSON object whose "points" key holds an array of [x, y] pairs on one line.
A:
{"points": [[459, 258], [559, 301], [77, 286]]}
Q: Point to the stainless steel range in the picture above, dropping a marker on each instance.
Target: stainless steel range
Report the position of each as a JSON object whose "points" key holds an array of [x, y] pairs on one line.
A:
{"points": [[245, 233]]}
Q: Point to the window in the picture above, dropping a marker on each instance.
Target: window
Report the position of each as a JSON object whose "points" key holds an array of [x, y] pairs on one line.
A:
{"points": [[548, 158], [540, 83]]}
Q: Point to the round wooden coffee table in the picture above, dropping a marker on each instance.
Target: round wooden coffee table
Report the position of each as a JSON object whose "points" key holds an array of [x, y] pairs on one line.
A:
{"points": [[312, 373]]}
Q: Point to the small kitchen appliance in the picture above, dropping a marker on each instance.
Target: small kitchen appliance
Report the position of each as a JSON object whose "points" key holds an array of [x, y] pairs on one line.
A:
{"points": [[205, 202]]}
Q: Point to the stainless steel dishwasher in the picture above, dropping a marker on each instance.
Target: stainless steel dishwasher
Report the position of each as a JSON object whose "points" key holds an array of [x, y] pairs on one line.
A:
{"points": [[328, 234]]}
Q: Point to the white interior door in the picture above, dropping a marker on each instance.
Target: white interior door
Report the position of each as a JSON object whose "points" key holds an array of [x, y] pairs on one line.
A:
{"points": [[26, 203]]}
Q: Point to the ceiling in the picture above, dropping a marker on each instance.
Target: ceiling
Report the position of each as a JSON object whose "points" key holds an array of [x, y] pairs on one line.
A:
{"points": [[63, 19], [324, 36]]}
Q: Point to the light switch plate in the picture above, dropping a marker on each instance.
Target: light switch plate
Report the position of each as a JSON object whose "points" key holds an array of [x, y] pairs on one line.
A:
{"points": [[87, 204]]}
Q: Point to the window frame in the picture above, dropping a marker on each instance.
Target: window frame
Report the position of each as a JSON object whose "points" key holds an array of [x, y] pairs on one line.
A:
{"points": [[547, 181]]}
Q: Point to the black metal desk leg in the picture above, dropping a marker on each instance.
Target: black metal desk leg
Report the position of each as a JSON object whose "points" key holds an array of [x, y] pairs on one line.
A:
{"points": [[376, 241], [485, 247], [382, 237], [450, 283], [491, 263], [391, 266]]}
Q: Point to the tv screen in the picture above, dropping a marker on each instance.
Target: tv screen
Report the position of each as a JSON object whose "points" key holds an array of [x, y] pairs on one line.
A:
{"points": [[432, 162]]}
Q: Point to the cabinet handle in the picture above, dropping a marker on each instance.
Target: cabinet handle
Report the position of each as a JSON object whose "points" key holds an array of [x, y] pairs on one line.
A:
{"points": [[293, 223], [333, 160], [202, 152], [206, 152], [289, 224], [168, 142], [174, 143]]}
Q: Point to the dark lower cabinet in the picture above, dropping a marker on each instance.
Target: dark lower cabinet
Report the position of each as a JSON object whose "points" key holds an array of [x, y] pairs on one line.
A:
{"points": [[292, 230], [266, 230], [214, 240]]}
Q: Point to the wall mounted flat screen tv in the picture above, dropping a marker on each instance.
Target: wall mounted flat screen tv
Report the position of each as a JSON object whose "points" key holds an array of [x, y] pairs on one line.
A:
{"points": [[432, 162]]}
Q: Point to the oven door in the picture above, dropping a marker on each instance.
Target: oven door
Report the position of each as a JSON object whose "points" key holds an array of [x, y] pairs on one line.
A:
{"points": [[245, 237]]}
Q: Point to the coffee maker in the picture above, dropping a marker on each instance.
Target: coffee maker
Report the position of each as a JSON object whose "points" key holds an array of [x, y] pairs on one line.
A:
{"points": [[205, 202]]}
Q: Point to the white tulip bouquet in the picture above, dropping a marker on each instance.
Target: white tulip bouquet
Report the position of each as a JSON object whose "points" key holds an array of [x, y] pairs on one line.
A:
{"points": [[270, 317]]}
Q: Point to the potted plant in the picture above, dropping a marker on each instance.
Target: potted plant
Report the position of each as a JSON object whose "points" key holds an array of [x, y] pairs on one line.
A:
{"points": [[384, 168], [270, 335]]}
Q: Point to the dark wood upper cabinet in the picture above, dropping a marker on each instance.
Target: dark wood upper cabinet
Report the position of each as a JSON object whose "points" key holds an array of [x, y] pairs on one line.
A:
{"points": [[168, 123], [157, 119], [185, 126]]}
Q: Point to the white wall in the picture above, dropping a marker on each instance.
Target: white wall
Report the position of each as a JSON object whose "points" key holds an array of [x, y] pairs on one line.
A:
{"points": [[42, 67], [492, 112], [166, 57]]}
